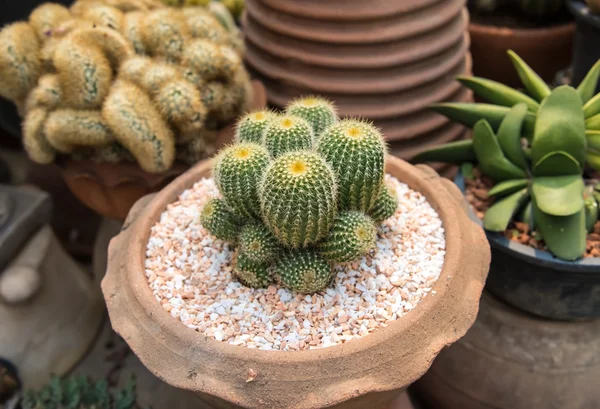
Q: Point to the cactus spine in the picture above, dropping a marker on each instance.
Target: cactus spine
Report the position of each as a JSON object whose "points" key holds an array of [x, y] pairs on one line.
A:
{"points": [[238, 170], [250, 273], [220, 221], [385, 204], [356, 150], [257, 243], [304, 271], [287, 133], [298, 198], [67, 129], [352, 236], [318, 112], [250, 127]]}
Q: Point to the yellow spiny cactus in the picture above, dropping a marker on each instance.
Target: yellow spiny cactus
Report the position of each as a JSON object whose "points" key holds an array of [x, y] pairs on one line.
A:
{"points": [[165, 33], [105, 16], [34, 140], [69, 129], [113, 80], [84, 73], [19, 62], [47, 17], [139, 127]]}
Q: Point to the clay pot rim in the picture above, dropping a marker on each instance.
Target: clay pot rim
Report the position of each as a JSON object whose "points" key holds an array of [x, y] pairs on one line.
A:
{"points": [[135, 275], [530, 254], [528, 34]]}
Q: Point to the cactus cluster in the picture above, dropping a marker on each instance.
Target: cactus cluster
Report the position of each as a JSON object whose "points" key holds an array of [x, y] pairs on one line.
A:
{"points": [[301, 190], [123, 80], [234, 8]]}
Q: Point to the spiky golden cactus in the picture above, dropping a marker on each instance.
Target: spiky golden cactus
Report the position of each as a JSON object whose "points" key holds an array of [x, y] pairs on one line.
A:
{"points": [[139, 127], [110, 79], [20, 66]]}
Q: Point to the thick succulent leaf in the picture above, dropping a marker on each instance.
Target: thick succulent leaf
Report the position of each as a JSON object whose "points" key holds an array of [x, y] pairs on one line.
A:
{"points": [[593, 140], [591, 208], [453, 152], [557, 164], [509, 135], [534, 84], [497, 93], [587, 88], [470, 114], [593, 160], [559, 195], [593, 123], [560, 126], [592, 107], [492, 161], [565, 236], [499, 215], [507, 187], [526, 216]]}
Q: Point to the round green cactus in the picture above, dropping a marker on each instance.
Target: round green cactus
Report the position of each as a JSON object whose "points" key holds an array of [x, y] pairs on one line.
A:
{"points": [[318, 112], [220, 221], [385, 204], [238, 171], [298, 198], [352, 236], [304, 271], [287, 133], [250, 127], [250, 273], [355, 149], [257, 243]]}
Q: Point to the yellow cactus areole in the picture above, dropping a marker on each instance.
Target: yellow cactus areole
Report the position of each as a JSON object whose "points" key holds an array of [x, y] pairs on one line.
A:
{"points": [[298, 168], [124, 80]]}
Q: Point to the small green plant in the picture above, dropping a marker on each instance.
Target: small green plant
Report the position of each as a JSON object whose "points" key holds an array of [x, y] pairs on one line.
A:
{"points": [[537, 170], [306, 200], [79, 392]]}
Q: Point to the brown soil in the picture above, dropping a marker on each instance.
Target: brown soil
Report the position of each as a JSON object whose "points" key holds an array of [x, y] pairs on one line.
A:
{"points": [[477, 195]]}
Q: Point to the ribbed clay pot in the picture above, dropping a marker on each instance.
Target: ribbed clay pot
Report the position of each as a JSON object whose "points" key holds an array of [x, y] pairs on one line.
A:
{"points": [[365, 373], [386, 61], [547, 50], [513, 360], [111, 189]]}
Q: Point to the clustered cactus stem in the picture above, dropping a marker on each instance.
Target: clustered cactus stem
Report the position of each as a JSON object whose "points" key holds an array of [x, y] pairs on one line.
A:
{"points": [[301, 190], [123, 80]]}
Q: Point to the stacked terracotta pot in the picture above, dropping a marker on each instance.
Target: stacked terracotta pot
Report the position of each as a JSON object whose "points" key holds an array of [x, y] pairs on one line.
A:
{"points": [[384, 60]]}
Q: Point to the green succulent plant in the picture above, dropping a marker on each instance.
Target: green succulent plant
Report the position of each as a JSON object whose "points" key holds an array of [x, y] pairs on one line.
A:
{"points": [[79, 392], [302, 197], [540, 182], [502, 98]]}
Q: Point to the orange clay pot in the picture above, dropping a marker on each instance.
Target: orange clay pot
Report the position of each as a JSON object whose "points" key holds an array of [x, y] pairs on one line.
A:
{"points": [[369, 372]]}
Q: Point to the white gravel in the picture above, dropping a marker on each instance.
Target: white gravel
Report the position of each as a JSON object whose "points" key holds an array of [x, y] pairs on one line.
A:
{"points": [[189, 272]]}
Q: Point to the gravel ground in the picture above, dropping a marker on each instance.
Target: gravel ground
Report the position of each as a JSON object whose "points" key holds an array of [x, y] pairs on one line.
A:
{"points": [[189, 272]]}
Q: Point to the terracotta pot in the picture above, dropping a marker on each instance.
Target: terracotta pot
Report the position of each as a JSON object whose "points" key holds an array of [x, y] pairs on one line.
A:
{"points": [[111, 189], [385, 61], [546, 50], [356, 375], [511, 360]]}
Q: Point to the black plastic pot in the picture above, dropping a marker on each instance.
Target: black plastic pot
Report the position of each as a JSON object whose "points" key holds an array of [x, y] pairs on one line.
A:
{"points": [[537, 282], [586, 49]]}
